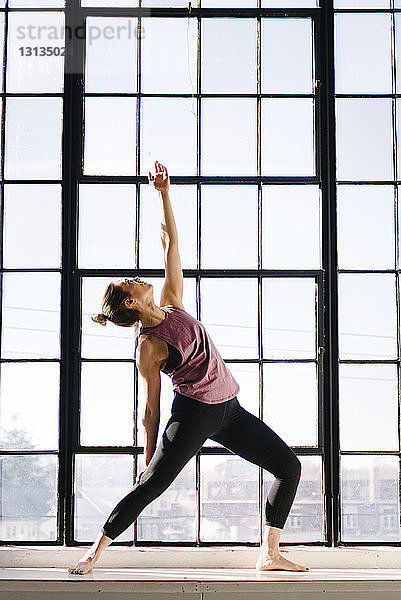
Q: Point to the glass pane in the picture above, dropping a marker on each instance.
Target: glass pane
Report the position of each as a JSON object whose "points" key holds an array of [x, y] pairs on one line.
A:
{"points": [[168, 134], [28, 498], [28, 391], [366, 424], [364, 138], [228, 56], [2, 23], [184, 203], [367, 316], [397, 21], [114, 341], [233, 329], [232, 209], [287, 60], [110, 136], [100, 482], [188, 297], [398, 130], [35, 52], [306, 518], [157, 51], [36, 3], [106, 235], [33, 138], [363, 3], [365, 221], [229, 499], [228, 149], [291, 389], [169, 3], [289, 318], [289, 3], [111, 3], [98, 341], [247, 376], [31, 315], [288, 136], [291, 227], [370, 498], [228, 3], [171, 517], [362, 53], [100, 426], [111, 49], [32, 213]]}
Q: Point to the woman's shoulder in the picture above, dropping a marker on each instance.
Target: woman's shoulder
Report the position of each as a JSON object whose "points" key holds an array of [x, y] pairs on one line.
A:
{"points": [[179, 306]]}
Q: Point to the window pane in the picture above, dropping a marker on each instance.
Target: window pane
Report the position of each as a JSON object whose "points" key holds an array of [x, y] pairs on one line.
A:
{"points": [[184, 202], [100, 426], [110, 62], [365, 220], [229, 214], [31, 315], [363, 53], [108, 477], [33, 138], [110, 341], [233, 329], [364, 139], [288, 136], [397, 21], [42, 71], [229, 499], [111, 3], [306, 517], [370, 498], [366, 424], [398, 129], [36, 3], [168, 3], [32, 213], [168, 134], [110, 136], [2, 23], [291, 389], [228, 3], [287, 61], [247, 376], [28, 391], [171, 517], [228, 55], [106, 235], [363, 3], [28, 498], [289, 3], [289, 319], [367, 316], [228, 149], [157, 52], [291, 227]]}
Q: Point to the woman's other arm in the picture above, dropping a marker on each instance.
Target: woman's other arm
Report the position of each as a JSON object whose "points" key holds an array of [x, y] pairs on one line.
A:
{"points": [[148, 363], [173, 285]]}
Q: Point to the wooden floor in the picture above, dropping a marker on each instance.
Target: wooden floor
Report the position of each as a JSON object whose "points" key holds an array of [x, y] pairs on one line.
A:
{"points": [[199, 584]]}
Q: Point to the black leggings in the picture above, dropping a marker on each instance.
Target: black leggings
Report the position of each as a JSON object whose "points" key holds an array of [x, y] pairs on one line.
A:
{"points": [[228, 423]]}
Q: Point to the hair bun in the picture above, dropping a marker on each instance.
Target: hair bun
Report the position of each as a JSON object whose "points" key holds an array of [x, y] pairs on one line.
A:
{"points": [[99, 318]]}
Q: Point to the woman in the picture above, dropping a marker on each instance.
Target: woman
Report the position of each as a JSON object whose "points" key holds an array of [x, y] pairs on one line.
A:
{"points": [[205, 401]]}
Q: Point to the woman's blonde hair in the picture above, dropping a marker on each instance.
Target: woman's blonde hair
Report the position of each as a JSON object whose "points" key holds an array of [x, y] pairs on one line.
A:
{"points": [[114, 309]]}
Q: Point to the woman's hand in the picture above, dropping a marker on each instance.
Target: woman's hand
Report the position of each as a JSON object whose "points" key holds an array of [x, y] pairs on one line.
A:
{"points": [[160, 180]]}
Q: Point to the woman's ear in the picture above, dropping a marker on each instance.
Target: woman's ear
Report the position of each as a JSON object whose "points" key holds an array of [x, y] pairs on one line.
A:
{"points": [[130, 302]]}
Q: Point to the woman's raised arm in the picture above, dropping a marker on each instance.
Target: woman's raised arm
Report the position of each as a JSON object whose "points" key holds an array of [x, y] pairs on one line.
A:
{"points": [[173, 285]]}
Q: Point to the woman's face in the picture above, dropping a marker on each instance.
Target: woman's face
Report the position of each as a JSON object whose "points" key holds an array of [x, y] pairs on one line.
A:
{"points": [[136, 288]]}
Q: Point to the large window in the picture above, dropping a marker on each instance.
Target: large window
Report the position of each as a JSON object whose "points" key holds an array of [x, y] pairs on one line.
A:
{"points": [[277, 121]]}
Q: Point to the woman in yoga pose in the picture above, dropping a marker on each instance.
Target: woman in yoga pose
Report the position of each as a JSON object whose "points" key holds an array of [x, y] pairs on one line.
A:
{"points": [[205, 401]]}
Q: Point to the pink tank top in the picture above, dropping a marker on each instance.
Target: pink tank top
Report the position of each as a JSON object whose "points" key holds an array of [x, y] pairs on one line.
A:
{"points": [[202, 373]]}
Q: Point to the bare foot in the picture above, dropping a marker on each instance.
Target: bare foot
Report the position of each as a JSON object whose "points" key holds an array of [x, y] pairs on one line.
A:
{"points": [[83, 566], [270, 563]]}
